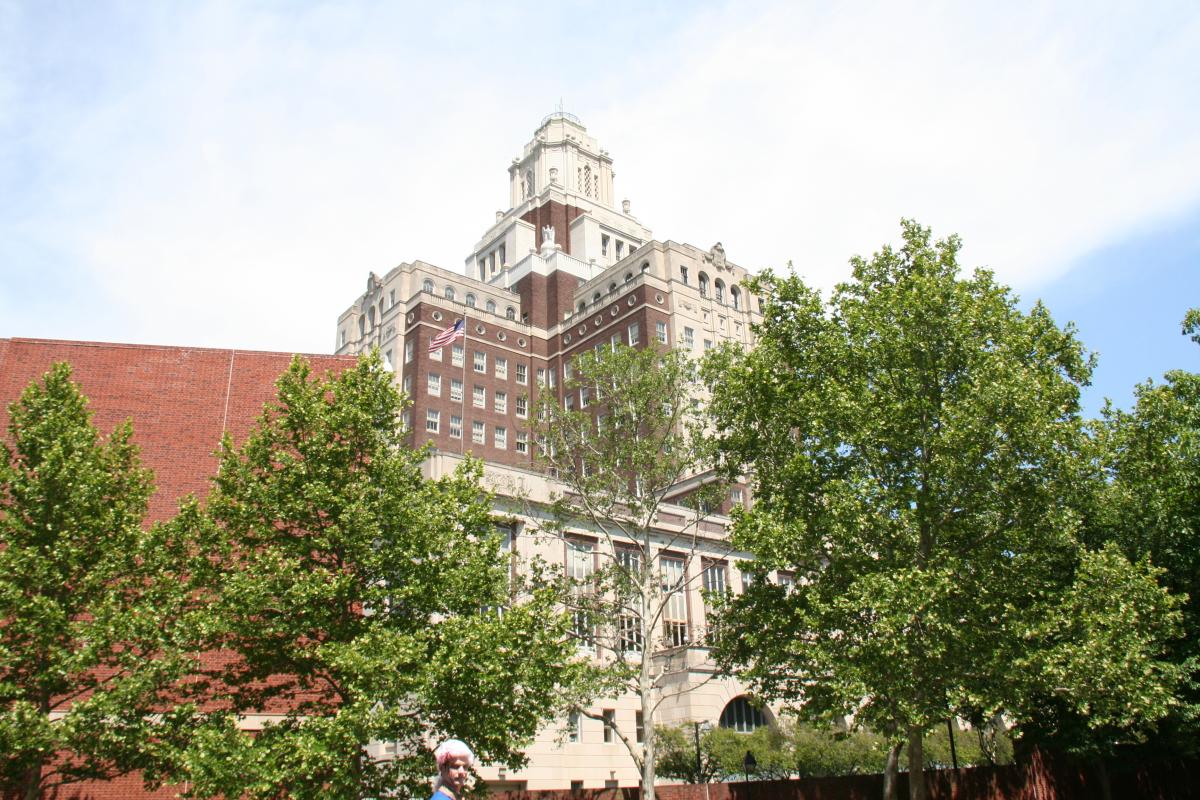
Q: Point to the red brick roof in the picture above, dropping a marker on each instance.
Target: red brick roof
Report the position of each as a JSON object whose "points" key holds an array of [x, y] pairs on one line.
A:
{"points": [[181, 399]]}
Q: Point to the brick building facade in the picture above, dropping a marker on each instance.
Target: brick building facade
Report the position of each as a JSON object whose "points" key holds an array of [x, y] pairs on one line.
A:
{"points": [[562, 272]]}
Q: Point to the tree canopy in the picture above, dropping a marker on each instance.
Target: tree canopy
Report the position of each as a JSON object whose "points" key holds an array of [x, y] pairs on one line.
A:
{"points": [[916, 447], [90, 604], [633, 447], [363, 602]]}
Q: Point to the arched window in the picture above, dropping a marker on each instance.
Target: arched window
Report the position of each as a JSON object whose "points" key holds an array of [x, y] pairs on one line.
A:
{"points": [[735, 297], [371, 317], [362, 326], [596, 297], [491, 306], [470, 300], [645, 267], [612, 287], [719, 287], [427, 286], [742, 717], [510, 313], [703, 281], [628, 277], [583, 305], [449, 292]]}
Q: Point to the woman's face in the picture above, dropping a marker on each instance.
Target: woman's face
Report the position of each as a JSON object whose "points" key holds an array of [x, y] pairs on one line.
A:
{"points": [[454, 774]]}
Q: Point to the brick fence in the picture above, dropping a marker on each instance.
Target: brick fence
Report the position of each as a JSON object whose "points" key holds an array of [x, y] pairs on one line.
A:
{"points": [[1036, 779]]}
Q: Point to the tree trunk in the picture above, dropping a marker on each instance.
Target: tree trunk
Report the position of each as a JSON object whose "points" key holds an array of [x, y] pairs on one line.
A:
{"points": [[646, 682], [916, 766], [891, 771], [33, 781]]}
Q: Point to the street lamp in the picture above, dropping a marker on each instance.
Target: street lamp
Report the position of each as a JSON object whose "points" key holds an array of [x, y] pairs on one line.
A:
{"points": [[749, 763]]}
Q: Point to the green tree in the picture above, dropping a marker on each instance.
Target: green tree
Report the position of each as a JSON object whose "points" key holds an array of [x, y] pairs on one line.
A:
{"points": [[685, 753], [88, 633], [1149, 506], [621, 458], [362, 601], [916, 447]]}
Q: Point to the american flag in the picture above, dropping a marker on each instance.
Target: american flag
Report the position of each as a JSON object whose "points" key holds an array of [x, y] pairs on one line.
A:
{"points": [[449, 335]]}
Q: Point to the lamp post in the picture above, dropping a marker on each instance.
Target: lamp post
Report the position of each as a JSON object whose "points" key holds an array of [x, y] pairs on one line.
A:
{"points": [[749, 763]]}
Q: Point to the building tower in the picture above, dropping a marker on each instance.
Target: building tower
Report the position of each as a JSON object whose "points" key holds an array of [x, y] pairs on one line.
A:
{"points": [[560, 272]]}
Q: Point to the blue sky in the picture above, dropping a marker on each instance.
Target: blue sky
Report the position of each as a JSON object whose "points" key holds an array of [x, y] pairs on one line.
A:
{"points": [[227, 173]]}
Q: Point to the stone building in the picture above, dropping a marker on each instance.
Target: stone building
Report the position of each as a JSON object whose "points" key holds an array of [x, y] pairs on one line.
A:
{"points": [[561, 272]]}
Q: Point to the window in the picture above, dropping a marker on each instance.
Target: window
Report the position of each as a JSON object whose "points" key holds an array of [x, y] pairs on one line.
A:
{"points": [[433, 384], [501, 367], [406, 385], [620, 249], [449, 293], [479, 361], [342, 338], [581, 565], [610, 722], [675, 625], [703, 283], [585, 395], [715, 577], [479, 396], [427, 286], [470, 300], [660, 331], [491, 306], [615, 340], [406, 419], [391, 297], [387, 361], [436, 355], [634, 332], [522, 404], [716, 582], [639, 727], [500, 402], [456, 390], [510, 313], [785, 579], [735, 297], [522, 443], [455, 426], [719, 289], [408, 350], [478, 432], [708, 344], [629, 634], [689, 337], [736, 496], [456, 355], [683, 274], [569, 402], [432, 420], [742, 717], [500, 437], [575, 731], [604, 244], [522, 374], [541, 376]]}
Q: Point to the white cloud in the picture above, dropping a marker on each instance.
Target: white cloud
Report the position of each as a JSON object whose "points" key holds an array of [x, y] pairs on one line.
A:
{"points": [[230, 176], [806, 134]]}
